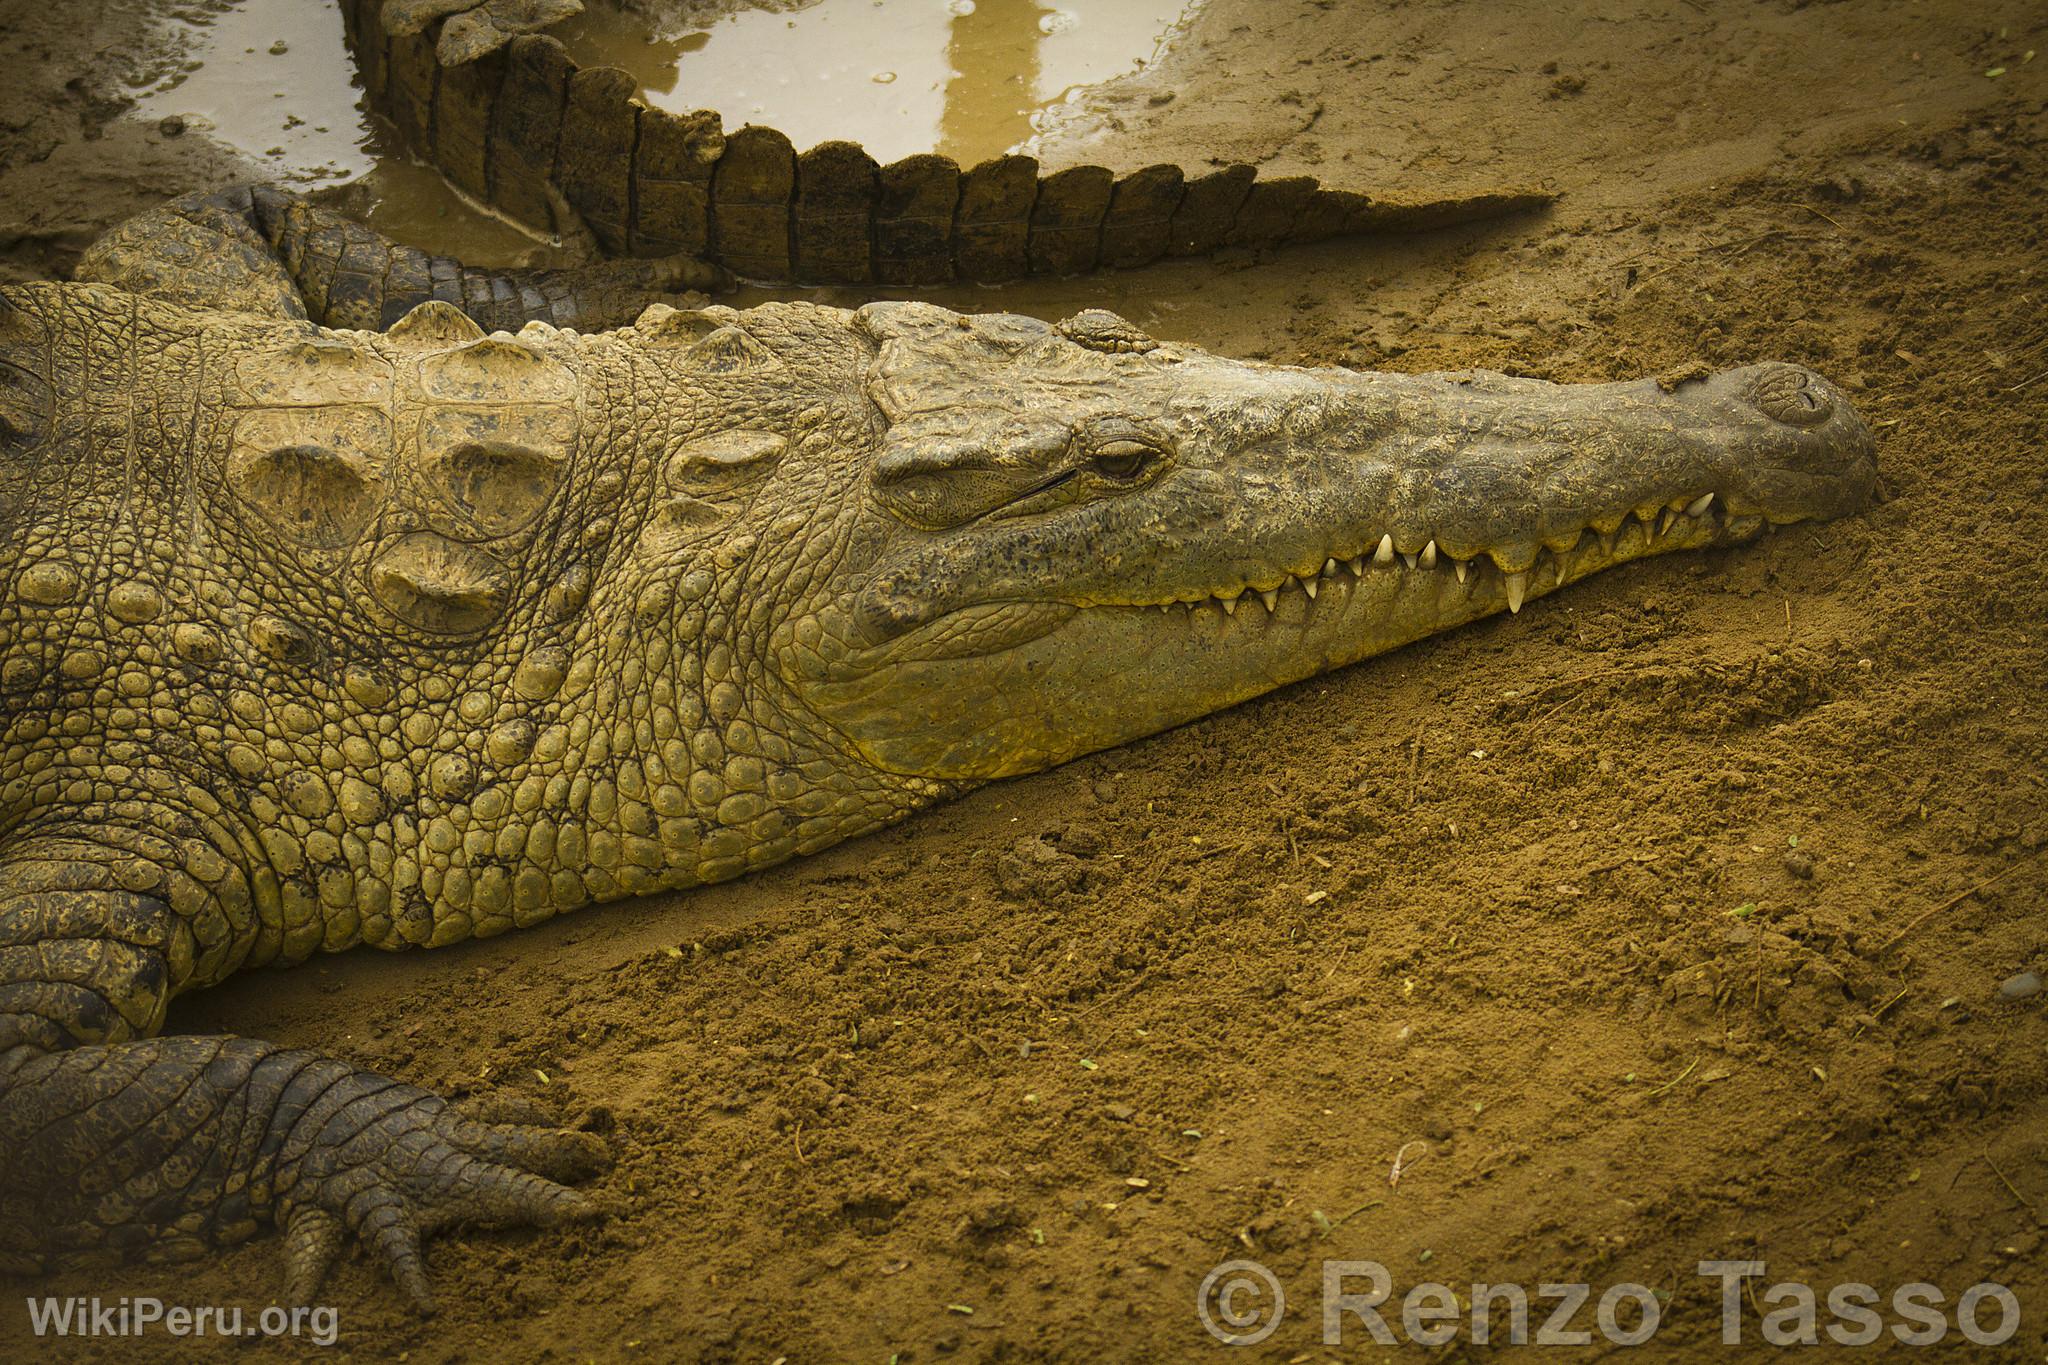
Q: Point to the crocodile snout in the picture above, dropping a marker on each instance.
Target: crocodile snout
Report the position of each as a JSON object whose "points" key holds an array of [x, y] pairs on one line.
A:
{"points": [[1780, 441], [1792, 394]]}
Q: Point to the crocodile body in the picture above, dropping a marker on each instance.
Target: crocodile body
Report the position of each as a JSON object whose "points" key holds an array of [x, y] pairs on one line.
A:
{"points": [[329, 617]]}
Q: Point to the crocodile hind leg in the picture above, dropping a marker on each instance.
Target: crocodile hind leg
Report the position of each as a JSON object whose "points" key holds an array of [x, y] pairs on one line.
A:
{"points": [[120, 1145], [253, 249]]}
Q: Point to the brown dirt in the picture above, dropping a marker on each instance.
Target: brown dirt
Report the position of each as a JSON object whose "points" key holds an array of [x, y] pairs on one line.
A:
{"points": [[1480, 901]]}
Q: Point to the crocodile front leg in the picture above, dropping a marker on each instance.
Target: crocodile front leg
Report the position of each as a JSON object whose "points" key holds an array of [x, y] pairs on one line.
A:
{"points": [[122, 1146]]}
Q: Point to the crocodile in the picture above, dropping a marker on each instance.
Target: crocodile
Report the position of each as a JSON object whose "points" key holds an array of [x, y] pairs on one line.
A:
{"points": [[353, 596]]}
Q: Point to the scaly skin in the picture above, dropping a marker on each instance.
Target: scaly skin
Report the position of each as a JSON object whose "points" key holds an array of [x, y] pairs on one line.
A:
{"points": [[312, 638], [260, 250]]}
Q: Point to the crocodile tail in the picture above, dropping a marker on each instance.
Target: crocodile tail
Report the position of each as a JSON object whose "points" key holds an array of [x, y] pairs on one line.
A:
{"points": [[507, 125]]}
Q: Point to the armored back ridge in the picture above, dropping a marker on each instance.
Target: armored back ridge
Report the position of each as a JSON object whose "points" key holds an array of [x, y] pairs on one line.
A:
{"points": [[481, 92]]}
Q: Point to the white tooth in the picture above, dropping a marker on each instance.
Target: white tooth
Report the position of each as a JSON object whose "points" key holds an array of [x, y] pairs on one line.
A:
{"points": [[1429, 555], [1271, 597], [1308, 585], [1518, 587], [1669, 517], [1463, 568], [1357, 566], [1410, 560], [1330, 566], [1699, 505], [1229, 605], [1607, 543], [1385, 553]]}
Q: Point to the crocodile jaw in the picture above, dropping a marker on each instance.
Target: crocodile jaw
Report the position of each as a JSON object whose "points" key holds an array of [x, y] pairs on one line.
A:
{"points": [[1323, 560], [1031, 703]]}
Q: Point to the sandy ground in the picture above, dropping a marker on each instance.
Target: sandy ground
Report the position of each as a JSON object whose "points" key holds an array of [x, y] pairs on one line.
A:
{"points": [[1661, 923]]}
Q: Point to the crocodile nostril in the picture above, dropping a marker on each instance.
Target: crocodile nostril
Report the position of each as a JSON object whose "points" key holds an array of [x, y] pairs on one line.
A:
{"points": [[1791, 395]]}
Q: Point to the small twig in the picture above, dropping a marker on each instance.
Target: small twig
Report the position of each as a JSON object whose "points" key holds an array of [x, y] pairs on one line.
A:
{"points": [[1676, 1079], [1951, 903], [799, 1138], [1788, 620], [1597, 675], [1758, 1006], [1414, 761], [1336, 1223], [1401, 1161], [1985, 1157], [1818, 214], [1158, 1155], [2024, 382], [1880, 1011]]}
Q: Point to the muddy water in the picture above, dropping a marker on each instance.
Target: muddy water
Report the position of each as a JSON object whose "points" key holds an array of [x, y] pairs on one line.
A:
{"points": [[273, 80]]}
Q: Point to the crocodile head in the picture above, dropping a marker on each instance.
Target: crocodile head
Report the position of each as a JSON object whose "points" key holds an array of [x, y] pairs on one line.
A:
{"points": [[1071, 536]]}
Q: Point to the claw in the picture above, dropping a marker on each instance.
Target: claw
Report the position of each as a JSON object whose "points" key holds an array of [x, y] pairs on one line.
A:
{"points": [[312, 1240], [552, 1152], [395, 1240], [394, 1164]]}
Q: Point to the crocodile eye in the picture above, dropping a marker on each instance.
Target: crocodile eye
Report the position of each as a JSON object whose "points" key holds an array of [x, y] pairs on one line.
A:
{"points": [[1120, 460]]}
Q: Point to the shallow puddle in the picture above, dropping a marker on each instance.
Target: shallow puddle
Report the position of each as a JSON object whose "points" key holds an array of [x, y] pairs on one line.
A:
{"points": [[273, 79]]}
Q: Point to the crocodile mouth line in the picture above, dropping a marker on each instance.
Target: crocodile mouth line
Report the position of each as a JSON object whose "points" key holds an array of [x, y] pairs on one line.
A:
{"points": [[1516, 570]]}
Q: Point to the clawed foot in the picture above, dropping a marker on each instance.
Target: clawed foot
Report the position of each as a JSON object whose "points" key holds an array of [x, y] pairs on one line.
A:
{"points": [[391, 1164]]}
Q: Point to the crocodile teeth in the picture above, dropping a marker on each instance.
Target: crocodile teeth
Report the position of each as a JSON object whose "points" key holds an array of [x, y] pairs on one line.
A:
{"points": [[1463, 569], [1518, 588], [1428, 555], [1308, 585], [1271, 597], [1665, 525], [1357, 566], [1330, 566], [1229, 605], [1410, 560], [1385, 553], [1699, 505]]}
